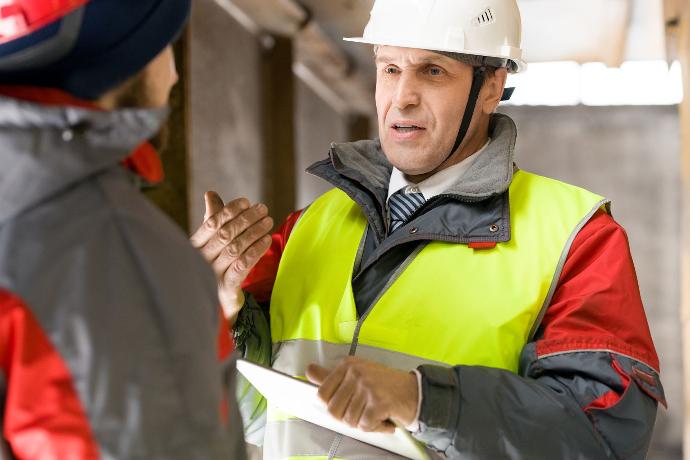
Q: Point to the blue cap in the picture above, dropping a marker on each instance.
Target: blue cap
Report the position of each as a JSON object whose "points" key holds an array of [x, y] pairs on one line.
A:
{"points": [[94, 48]]}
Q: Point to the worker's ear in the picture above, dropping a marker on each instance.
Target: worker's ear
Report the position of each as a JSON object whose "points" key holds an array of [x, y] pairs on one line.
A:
{"points": [[492, 92]]}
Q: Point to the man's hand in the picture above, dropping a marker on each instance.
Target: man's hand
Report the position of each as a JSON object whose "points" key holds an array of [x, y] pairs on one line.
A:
{"points": [[367, 395], [232, 239]]}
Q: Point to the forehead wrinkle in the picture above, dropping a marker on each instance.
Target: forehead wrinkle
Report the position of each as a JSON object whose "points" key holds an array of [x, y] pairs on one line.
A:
{"points": [[412, 61]]}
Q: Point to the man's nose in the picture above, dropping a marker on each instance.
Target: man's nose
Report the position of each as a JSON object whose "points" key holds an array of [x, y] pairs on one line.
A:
{"points": [[406, 93]]}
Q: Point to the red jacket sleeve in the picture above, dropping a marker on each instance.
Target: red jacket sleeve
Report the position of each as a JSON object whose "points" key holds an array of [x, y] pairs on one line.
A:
{"points": [[225, 348], [597, 304], [591, 371], [43, 416], [260, 280]]}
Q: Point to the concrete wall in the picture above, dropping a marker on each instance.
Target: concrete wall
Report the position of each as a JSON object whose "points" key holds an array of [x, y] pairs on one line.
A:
{"points": [[632, 156], [317, 126], [225, 107], [249, 114]]}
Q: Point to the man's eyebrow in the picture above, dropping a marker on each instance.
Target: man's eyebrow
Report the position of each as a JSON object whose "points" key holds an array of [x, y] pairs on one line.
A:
{"points": [[416, 62], [382, 58]]}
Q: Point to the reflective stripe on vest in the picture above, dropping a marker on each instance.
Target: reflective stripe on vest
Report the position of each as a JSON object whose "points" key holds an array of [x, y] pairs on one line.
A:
{"points": [[447, 305]]}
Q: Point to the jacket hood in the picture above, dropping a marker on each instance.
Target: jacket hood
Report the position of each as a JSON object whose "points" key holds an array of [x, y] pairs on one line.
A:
{"points": [[44, 149], [490, 175]]}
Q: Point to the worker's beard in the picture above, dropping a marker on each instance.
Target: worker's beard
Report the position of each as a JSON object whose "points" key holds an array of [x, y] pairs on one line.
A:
{"points": [[136, 94]]}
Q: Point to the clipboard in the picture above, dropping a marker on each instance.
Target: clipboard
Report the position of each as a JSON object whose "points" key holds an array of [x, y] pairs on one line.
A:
{"points": [[299, 398]]}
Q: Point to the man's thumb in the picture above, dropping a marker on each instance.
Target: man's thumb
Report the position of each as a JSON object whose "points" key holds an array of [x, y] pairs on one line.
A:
{"points": [[214, 204]]}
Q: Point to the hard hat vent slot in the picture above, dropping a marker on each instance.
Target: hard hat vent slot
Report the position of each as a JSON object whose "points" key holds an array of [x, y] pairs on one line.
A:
{"points": [[486, 17]]}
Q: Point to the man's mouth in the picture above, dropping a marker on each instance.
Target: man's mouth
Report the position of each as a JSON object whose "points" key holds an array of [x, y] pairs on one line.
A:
{"points": [[406, 128]]}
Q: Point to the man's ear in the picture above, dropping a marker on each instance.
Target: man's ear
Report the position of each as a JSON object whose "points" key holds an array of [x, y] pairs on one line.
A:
{"points": [[493, 90]]}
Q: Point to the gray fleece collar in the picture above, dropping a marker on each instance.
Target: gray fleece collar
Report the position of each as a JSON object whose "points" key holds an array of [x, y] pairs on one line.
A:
{"points": [[45, 149], [490, 175]]}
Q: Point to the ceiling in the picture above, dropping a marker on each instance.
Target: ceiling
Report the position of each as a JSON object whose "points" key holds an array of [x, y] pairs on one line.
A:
{"points": [[608, 31]]}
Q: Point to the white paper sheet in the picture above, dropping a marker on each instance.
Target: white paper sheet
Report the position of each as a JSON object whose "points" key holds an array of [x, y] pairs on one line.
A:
{"points": [[300, 399]]}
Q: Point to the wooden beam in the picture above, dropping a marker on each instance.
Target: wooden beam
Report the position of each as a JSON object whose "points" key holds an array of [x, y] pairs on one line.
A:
{"points": [[278, 126], [171, 196], [280, 17], [323, 67], [259, 61], [317, 61], [683, 46]]}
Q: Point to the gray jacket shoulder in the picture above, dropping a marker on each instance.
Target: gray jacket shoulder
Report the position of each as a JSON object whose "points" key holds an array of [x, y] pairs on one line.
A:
{"points": [[131, 308]]}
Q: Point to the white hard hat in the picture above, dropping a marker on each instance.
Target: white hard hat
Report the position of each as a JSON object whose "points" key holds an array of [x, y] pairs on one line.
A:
{"points": [[490, 28]]}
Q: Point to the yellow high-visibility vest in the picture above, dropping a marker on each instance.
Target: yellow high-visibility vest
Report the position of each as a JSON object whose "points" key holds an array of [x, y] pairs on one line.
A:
{"points": [[447, 304]]}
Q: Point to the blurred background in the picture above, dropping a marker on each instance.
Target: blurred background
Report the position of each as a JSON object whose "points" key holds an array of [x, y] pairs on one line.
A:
{"points": [[267, 85]]}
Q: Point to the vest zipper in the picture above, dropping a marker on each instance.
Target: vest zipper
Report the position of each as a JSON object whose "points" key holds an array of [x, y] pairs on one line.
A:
{"points": [[398, 271], [335, 445]]}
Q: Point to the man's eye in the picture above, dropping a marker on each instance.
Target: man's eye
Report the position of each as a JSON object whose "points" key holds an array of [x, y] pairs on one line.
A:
{"points": [[435, 71], [390, 70]]}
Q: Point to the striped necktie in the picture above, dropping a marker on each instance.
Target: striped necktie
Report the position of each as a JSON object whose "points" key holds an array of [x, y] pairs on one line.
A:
{"points": [[402, 205]]}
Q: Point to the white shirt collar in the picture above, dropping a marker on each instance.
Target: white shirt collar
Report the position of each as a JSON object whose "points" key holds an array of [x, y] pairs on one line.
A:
{"points": [[436, 184]]}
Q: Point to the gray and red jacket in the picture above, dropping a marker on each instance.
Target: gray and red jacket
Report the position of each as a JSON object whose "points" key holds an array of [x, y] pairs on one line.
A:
{"points": [[111, 341], [588, 383]]}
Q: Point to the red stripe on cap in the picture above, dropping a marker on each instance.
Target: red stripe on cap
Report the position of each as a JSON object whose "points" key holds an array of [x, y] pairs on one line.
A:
{"points": [[23, 17]]}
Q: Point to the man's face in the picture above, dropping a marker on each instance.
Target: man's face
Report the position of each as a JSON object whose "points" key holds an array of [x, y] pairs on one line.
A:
{"points": [[420, 99], [151, 89], [161, 76]]}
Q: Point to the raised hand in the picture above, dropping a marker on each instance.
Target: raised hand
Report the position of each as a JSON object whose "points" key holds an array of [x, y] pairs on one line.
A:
{"points": [[232, 239]]}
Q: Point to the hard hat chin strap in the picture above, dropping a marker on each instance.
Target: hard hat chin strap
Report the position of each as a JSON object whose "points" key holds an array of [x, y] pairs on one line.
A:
{"points": [[477, 82]]}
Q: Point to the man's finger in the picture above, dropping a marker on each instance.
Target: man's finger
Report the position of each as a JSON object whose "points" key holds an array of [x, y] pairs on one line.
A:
{"points": [[231, 241], [214, 223], [317, 374], [241, 243], [329, 386], [250, 258], [355, 409], [214, 204], [257, 250], [383, 427], [237, 271], [342, 397], [374, 420]]}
